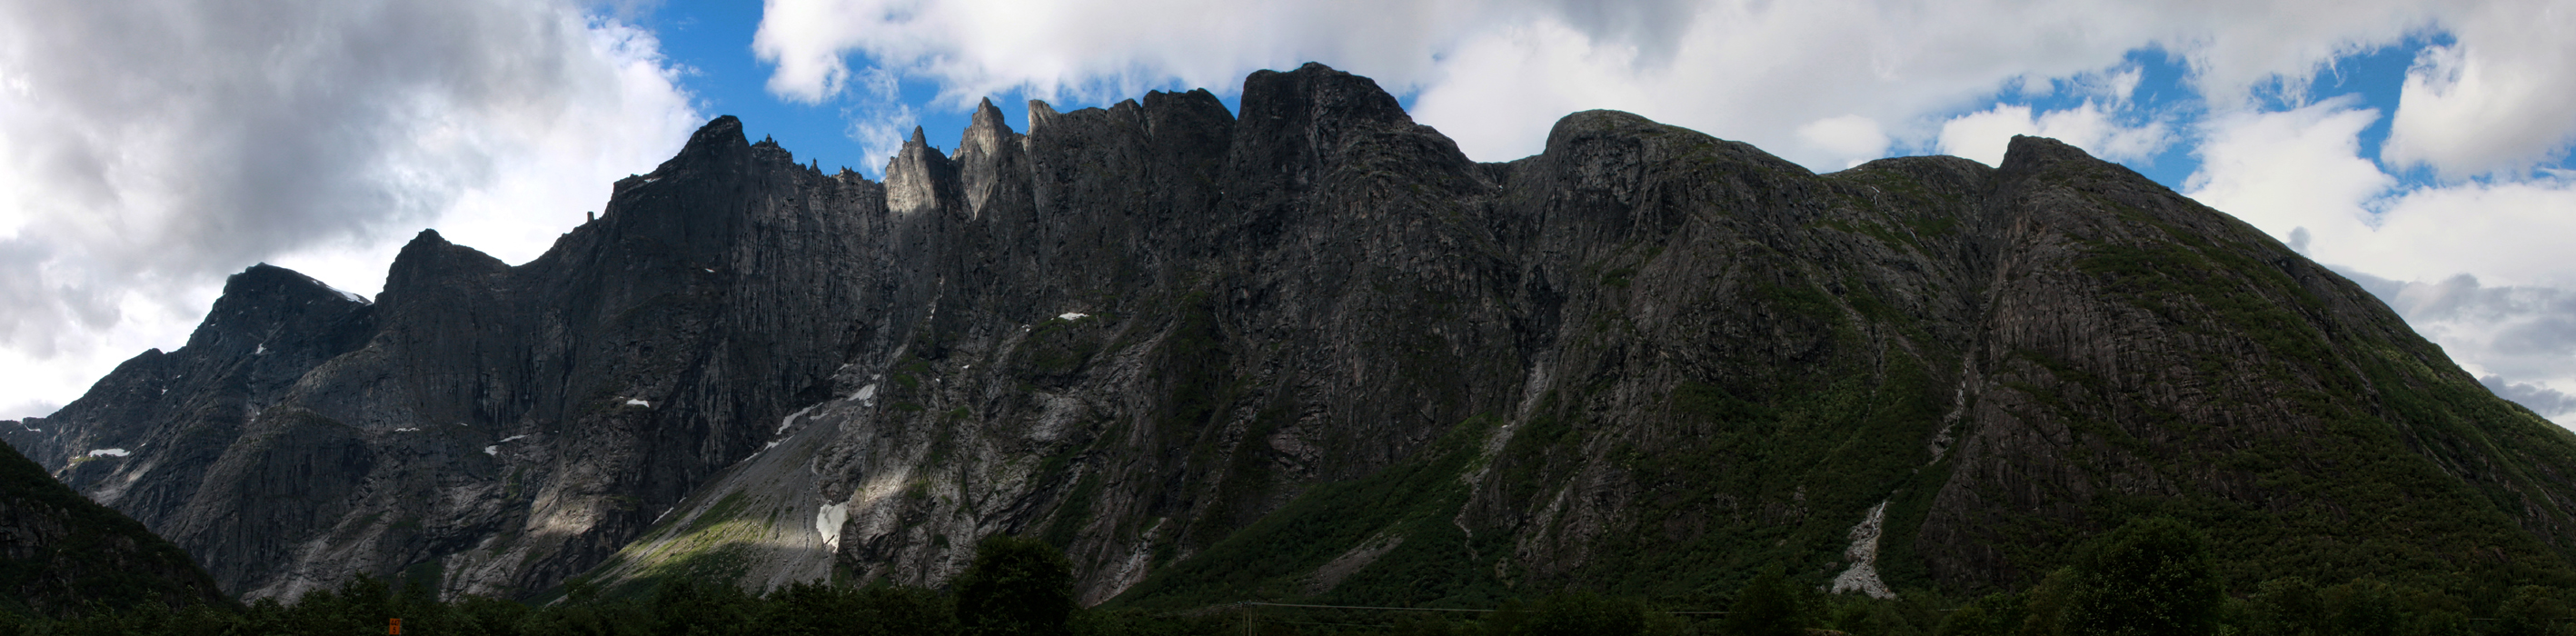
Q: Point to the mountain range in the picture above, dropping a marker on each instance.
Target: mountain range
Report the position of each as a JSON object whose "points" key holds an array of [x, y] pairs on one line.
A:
{"points": [[1309, 350]]}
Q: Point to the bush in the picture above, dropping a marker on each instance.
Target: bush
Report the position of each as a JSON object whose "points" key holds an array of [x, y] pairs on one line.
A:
{"points": [[1015, 587], [1585, 614], [2149, 578], [1768, 606]]}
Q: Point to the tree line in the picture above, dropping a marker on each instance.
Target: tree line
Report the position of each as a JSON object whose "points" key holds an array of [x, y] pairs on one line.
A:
{"points": [[2151, 577]]}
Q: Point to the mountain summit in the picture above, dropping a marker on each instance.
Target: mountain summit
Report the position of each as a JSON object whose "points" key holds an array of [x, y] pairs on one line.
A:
{"points": [[1313, 351]]}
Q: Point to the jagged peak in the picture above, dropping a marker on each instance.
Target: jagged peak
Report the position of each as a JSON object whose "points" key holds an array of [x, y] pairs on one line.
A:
{"points": [[2031, 153], [721, 137], [985, 135], [2027, 157], [912, 173], [259, 299], [430, 258], [987, 115], [1040, 114], [988, 121], [1578, 127], [1318, 92], [264, 279], [723, 131]]}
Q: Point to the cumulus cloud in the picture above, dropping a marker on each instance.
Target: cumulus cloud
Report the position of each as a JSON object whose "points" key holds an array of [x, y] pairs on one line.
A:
{"points": [[1984, 135], [1855, 137], [1496, 75], [2288, 170], [883, 132], [148, 148], [2299, 175], [2496, 98], [2496, 332], [2302, 169]]}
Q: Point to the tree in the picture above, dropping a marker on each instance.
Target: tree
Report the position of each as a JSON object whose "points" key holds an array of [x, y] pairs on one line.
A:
{"points": [[2151, 577], [1015, 587], [2287, 606], [1768, 606], [2532, 611], [2362, 607], [1992, 615], [687, 608], [1585, 614]]}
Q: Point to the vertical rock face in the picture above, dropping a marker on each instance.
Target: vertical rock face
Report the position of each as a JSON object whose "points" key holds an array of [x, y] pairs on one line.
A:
{"points": [[1313, 351]]}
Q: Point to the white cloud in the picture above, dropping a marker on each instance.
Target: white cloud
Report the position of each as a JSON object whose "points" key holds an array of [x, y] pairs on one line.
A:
{"points": [[2298, 174], [149, 148], [2524, 333], [1984, 135], [2302, 168], [2293, 169], [882, 133], [1852, 136], [2113, 87], [1120, 47], [1497, 75], [2497, 99]]}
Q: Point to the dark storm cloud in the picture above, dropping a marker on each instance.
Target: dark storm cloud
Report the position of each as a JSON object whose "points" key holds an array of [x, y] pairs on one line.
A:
{"points": [[162, 144], [2520, 336], [2542, 400], [148, 148]]}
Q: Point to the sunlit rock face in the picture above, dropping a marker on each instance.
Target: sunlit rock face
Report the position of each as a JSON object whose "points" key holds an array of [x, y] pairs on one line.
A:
{"points": [[1312, 351]]}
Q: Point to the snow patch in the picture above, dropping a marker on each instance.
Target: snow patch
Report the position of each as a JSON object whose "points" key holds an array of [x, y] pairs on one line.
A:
{"points": [[406, 430], [637, 402], [790, 420], [495, 449], [1072, 315], [828, 522], [1862, 577], [345, 294], [865, 393], [772, 444], [109, 452], [261, 351]]}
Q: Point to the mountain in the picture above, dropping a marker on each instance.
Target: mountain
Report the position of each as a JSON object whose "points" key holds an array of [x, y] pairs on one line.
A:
{"points": [[1310, 350], [62, 554]]}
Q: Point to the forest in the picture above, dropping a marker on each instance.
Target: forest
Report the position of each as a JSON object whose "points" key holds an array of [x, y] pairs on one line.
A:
{"points": [[2151, 577]]}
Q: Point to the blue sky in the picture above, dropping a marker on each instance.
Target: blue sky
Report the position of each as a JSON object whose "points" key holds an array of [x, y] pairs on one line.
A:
{"points": [[711, 41], [149, 148]]}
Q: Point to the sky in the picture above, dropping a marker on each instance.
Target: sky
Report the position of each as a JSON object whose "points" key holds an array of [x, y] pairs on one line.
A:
{"points": [[149, 148]]}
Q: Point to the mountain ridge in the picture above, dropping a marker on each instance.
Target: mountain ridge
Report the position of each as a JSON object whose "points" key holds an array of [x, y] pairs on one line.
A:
{"points": [[1313, 350]]}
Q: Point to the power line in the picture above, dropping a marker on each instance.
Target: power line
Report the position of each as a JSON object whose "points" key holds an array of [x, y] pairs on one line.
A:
{"points": [[1362, 607]]}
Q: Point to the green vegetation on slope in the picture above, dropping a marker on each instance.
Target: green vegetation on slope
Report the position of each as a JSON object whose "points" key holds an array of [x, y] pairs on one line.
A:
{"points": [[61, 553], [2150, 577]]}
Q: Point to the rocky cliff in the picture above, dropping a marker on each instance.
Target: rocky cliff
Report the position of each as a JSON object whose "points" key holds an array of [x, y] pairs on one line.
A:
{"points": [[1311, 351]]}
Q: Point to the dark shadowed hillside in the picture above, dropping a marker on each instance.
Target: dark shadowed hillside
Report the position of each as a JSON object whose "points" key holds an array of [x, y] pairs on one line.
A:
{"points": [[61, 554]]}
